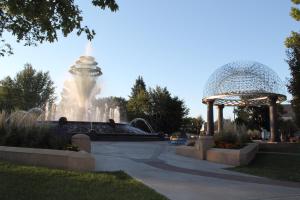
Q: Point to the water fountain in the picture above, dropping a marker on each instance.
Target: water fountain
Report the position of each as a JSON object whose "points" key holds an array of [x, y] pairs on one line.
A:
{"points": [[78, 97], [80, 90], [21, 118], [85, 112], [134, 122]]}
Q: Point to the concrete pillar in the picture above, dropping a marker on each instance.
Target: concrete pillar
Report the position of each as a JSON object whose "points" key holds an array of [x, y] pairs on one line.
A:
{"points": [[203, 144], [273, 119], [82, 141], [220, 118], [210, 117]]}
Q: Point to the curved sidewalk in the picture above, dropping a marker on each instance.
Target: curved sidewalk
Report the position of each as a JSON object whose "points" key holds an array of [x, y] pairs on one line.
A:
{"points": [[177, 177]]}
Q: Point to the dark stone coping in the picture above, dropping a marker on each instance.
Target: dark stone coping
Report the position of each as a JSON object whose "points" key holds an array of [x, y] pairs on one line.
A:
{"points": [[124, 137], [102, 131]]}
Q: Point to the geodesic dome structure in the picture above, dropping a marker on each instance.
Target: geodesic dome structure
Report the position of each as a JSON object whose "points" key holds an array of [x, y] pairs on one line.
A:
{"points": [[243, 83]]}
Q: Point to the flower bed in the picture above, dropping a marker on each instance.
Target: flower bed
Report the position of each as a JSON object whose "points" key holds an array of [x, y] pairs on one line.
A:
{"points": [[229, 140], [224, 145]]}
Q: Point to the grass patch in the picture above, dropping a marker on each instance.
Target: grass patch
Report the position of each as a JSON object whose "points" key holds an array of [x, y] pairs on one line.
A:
{"points": [[275, 166], [35, 183], [281, 147]]}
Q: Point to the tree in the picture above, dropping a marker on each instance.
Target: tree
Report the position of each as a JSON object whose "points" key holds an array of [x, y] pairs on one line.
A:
{"points": [[294, 82], [295, 12], [253, 118], [36, 21], [166, 112], [138, 87], [7, 95], [138, 103], [293, 54], [192, 124], [27, 90]]}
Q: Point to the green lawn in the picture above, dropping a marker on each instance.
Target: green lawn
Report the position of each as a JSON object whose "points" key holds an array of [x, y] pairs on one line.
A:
{"points": [[276, 166], [35, 183], [282, 148]]}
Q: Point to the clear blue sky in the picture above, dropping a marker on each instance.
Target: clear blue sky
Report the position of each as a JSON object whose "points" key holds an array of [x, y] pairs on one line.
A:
{"points": [[171, 43]]}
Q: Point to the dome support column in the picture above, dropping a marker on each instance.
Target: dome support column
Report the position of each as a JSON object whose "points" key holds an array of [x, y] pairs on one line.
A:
{"points": [[210, 117], [220, 118], [273, 119]]}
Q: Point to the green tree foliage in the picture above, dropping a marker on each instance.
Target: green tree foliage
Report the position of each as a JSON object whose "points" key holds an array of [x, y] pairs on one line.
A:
{"points": [[138, 103], [293, 59], [295, 12], [27, 90], [138, 87], [253, 118], [294, 82], [164, 112], [256, 118], [192, 124], [8, 99], [36, 21]]}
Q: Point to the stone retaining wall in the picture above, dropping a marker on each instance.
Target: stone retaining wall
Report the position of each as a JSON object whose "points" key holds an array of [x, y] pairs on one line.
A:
{"points": [[189, 151], [69, 160], [235, 157]]}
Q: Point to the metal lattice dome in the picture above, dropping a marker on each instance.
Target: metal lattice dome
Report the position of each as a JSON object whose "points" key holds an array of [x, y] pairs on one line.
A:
{"points": [[243, 83]]}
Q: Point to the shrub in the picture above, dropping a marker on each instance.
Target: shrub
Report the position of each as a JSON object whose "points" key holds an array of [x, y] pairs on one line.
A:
{"points": [[228, 127], [2, 126], [226, 140], [34, 137], [244, 138], [232, 139], [241, 130], [71, 147], [254, 134], [20, 129]]}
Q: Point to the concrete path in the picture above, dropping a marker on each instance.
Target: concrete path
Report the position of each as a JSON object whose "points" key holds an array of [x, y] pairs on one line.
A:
{"points": [[182, 178]]}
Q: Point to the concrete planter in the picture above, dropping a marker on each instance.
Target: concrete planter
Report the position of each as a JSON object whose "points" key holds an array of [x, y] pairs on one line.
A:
{"points": [[199, 151], [82, 141], [189, 151], [235, 157], [69, 160]]}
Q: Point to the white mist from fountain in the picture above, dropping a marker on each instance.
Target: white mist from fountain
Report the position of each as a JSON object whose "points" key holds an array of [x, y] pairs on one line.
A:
{"points": [[88, 49], [79, 94], [117, 114]]}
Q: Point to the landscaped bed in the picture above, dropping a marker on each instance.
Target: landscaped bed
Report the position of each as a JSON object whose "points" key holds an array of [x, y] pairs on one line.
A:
{"points": [[22, 130], [35, 183], [280, 165], [234, 157]]}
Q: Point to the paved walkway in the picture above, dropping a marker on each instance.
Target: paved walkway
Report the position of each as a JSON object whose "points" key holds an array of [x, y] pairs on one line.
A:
{"points": [[182, 178]]}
